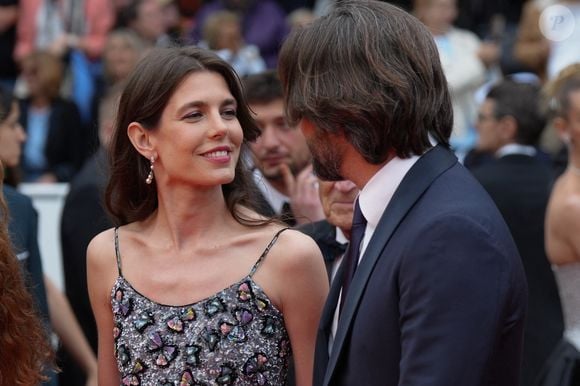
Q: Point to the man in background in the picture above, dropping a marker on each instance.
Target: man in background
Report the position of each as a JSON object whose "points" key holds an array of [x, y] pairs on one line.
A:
{"points": [[281, 158], [510, 122]]}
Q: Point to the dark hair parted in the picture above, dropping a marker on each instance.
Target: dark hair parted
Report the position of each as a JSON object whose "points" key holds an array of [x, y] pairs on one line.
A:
{"points": [[521, 101], [373, 71], [263, 88], [143, 100]]}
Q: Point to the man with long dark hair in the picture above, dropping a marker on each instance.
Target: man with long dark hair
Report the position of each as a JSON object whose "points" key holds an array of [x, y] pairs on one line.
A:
{"points": [[432, 290]]}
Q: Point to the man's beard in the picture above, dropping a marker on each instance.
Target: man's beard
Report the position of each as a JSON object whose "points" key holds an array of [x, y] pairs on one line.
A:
{"points": [[326, 159]]}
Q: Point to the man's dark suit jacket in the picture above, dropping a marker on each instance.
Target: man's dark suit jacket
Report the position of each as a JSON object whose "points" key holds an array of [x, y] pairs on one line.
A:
{"points": [[324, 234], [520, 187], [83, 217], [439, 297]]}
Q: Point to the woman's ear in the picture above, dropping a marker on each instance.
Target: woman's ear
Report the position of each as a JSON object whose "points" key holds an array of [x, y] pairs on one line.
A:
{"points": [[561, 127], [141, 139]]}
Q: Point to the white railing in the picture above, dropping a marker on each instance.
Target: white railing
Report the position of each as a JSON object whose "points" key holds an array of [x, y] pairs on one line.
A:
{"points": [[48, 199]]}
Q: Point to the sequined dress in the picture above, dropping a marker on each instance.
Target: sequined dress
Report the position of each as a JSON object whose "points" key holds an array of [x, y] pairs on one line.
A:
{"points": [[563, 366], [234, 337]]}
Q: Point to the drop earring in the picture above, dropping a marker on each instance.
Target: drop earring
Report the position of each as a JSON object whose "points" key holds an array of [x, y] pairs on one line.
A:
{"points": [[149, 179]]}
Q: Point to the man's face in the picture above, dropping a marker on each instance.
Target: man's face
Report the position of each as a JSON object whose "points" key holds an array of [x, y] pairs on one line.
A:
{"points": [[149, 23], [488, 127], [337, 198], [279, 143], [326, 153]]}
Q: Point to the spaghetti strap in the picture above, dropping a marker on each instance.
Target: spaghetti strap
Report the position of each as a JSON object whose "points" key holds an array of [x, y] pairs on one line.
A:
{"points": [[117, 253], [263, 255]]}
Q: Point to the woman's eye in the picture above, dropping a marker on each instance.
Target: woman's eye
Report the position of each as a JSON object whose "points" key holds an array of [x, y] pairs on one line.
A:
{"points": [[194, 115], [231, 113]]}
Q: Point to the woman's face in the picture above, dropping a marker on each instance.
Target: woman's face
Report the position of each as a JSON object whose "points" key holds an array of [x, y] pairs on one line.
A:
{"points": [[12, 137], [199, 136]]}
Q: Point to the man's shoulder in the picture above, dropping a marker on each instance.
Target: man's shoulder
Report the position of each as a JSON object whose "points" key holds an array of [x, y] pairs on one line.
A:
{"points": [[317, 229]]}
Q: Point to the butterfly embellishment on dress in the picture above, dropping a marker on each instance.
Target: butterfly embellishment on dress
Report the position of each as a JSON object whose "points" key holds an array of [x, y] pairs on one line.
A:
{"points": [[122, 305], [176, 323], [245, 291], [227, 375], [262, 304], [133, 378], [166, 354], [188, 380], [213, 306], [255, 366], [192, 355], [269, 325], [130, 380], [144, 319], [116, 332], [123, 355], [211, 337]]}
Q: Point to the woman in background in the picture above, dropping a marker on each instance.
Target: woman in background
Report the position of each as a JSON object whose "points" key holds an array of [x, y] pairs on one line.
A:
{"points": [[25, 353], [563, 228], [56, 145]]}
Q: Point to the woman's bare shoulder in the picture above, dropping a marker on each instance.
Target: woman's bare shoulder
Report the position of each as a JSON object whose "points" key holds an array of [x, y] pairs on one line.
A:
{"points": [[101, 250], [294, 250]]}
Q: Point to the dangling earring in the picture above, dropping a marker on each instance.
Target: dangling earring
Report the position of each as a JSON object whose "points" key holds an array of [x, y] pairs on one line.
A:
{"points": [[149, 179]]}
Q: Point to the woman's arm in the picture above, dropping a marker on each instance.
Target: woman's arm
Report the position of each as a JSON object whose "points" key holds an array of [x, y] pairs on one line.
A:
{"points": [[101, 273], [303, 287]]}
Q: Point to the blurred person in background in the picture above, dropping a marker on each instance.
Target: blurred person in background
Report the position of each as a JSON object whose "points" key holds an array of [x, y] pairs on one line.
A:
{"points": [[146, 19], [25, 350], [563, 227], [464, 60], [83, 217], [547, 57], [23, 230], [263, 24], [60, 25], [222, 34], [300, 17], [333, 233], [281, 158], [122, 52], [8, 66], [73, 30], [56, 139], [510, 122]]}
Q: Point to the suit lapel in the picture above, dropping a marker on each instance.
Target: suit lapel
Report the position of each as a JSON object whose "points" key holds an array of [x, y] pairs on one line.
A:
{"points": [[325, 327], [422, 174]]}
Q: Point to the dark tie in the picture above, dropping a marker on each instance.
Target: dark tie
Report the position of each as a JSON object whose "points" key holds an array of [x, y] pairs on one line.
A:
{"points": [[351, 256], [286, 215]]}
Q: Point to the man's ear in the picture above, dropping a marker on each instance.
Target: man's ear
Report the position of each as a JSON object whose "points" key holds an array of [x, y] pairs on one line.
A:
{"points": [[509, 129], [141, 139]]}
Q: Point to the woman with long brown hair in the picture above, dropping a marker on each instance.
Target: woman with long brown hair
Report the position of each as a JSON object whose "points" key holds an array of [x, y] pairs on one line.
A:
{"points": [[194, 287]]}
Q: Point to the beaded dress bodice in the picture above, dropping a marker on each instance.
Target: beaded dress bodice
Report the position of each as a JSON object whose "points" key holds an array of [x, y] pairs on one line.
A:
{"points": [[234, 337]]}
